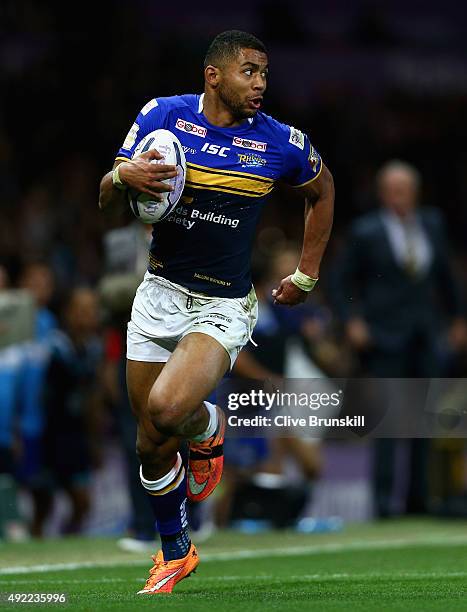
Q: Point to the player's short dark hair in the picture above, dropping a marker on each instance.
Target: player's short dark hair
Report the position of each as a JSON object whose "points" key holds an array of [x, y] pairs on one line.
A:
{"points": [[227, 45]]}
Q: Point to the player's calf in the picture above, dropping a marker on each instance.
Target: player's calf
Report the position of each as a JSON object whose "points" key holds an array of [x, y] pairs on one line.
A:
{"points": [[178, 557]]}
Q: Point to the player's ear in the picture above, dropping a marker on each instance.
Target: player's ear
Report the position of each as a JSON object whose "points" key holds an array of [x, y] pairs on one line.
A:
{"points": [[212, 75]]}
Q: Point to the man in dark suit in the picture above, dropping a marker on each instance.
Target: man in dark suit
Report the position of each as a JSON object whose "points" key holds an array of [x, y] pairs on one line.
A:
{"points": [[395, 293]]}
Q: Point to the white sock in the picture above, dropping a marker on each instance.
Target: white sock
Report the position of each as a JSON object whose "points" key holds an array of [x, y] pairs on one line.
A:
{"points": [[155, 486], [212, 425]]}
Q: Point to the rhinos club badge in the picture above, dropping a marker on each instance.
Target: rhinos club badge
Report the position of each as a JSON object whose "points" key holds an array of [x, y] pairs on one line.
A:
{"points": [[297, 138]]}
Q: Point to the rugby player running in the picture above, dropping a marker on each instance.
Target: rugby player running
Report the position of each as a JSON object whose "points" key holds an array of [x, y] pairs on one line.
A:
{"points": [[196, 307]]}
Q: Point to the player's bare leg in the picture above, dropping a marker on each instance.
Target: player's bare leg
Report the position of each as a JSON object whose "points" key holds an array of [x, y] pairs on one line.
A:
{"points": [[176, 408], [168, 403]]}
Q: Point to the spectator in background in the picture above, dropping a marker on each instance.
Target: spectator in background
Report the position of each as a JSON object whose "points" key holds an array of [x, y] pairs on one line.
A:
{"points": [[392, 271], [36, 278], [72, 402], [11, 379]]}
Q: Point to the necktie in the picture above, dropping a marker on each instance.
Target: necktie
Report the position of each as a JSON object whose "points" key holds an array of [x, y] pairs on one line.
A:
{"points": [[411, 260]]}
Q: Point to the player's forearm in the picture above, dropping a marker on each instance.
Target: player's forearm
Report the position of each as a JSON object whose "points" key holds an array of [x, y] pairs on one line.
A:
{"points": [[111, 199], [318, 224]]}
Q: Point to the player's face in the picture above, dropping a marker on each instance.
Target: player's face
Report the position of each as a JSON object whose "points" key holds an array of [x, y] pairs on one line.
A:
{"points": [[243, 83]]}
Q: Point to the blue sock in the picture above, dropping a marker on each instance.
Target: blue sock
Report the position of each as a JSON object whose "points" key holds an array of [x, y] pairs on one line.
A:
{"points": [[176, 546], [168, 500]]}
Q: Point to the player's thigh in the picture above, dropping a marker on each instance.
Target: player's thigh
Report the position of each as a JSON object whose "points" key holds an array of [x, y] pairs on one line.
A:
{"points": [[140, 378], [193, 371]]}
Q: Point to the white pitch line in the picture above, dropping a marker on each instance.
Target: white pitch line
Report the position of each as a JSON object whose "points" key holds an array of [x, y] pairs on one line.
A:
{"points": [[260, 578], [237, 555]]}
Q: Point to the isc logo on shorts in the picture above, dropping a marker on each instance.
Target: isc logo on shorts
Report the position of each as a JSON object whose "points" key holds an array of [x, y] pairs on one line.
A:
{"points": [[249, 144], [191, 128]]}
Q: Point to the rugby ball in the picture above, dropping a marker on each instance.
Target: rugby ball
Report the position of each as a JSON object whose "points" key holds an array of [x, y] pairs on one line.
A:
{"points": [[144, 206]]}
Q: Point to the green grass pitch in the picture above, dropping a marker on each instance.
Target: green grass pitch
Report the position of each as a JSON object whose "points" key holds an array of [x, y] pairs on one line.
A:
{"points": [[396, 565]]}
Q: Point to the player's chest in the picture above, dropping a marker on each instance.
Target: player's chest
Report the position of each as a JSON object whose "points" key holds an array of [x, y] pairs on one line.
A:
{"points": [[227, 152]]}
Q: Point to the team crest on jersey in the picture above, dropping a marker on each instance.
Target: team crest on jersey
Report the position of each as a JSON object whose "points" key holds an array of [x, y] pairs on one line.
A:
{"points": [[314, 158], [297, 138], [251, 160], [249, 144], [191, 128], [131, 137]]}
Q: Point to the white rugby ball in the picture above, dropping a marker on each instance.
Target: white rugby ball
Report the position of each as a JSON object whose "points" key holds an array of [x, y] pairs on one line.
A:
{"points": [[144, 206]]}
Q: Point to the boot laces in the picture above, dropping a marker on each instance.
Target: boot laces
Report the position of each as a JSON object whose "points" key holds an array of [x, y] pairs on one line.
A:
{"points": [[158, 563]]}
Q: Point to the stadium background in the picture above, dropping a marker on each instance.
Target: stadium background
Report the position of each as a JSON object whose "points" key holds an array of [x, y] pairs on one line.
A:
{"points": [[368, 83]]}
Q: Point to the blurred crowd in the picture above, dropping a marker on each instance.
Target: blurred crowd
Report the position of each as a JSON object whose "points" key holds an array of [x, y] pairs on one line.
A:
{"points": [[391, 299]]}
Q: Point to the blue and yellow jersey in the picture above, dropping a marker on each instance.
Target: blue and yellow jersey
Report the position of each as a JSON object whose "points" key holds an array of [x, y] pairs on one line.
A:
{"points": [[205, 244]]}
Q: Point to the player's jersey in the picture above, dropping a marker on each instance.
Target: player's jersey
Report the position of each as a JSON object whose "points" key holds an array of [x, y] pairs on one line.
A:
{"points": [[205, 243]]}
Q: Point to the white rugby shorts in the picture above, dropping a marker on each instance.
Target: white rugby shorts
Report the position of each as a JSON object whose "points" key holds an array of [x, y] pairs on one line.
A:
{"points": [[164, 312]]}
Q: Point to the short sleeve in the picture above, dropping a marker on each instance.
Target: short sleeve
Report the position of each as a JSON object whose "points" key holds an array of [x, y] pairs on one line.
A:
{"points": [[149, 119], [302, 162]]}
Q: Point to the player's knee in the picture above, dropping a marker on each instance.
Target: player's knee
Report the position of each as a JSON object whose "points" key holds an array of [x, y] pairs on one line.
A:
{"points": [[167, 413], [146, 450]]}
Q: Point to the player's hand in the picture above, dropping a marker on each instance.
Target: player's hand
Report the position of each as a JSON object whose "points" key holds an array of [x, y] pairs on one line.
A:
{"points": [[288, 294], [142, 175]]}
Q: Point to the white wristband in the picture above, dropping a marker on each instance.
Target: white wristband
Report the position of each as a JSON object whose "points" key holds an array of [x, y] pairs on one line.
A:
{"points": [[303, 281], [117, 181]]}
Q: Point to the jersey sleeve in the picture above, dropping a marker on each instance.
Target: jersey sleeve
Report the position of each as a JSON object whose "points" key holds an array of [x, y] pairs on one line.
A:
{"points": [[149, 118], [302, 162]]}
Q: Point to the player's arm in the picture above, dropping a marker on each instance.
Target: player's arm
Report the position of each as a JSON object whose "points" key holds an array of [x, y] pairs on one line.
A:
{"points": [[139, 174], [319, 210]]}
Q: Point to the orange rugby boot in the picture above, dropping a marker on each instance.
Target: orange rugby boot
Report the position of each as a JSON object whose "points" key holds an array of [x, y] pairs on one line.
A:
{"points": [[205, 463], [164, 575]]}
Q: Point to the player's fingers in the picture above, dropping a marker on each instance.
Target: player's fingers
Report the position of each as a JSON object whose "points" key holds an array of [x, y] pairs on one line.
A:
{"points": [[155, 169], [278, 291], [160, 176], [158, 187], [281, 299], [151, 154], [276, 294]]}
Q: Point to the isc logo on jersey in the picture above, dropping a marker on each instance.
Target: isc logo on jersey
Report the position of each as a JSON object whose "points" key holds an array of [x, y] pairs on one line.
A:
{"points": [[214, 149], [191, 128], [249, 144]]}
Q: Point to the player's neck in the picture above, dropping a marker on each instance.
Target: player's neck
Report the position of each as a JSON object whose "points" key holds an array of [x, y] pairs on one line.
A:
{"points": [[217, 113]]}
